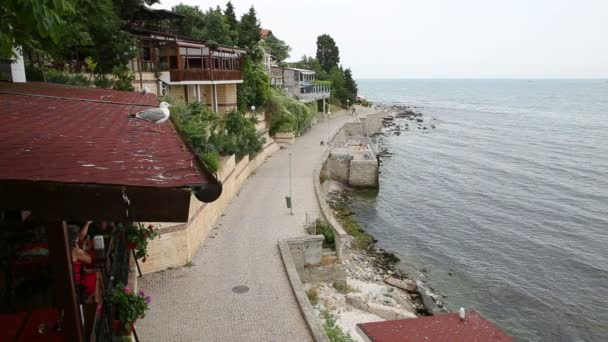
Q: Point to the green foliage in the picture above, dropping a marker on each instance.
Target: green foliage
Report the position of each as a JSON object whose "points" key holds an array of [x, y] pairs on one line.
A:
{"points": [[278, 48], [124, 78], [363, 240], [350, 86], [140, 236], [323, 228], [129, 306], [211, 160], [23, 22], [193, 23], [102, 81], [285, 114], [313, 295], [217, 29], [255, 89], [209, 136], [249, 29], [56, 76], [333, 331], [232, 22], [328, 53]]}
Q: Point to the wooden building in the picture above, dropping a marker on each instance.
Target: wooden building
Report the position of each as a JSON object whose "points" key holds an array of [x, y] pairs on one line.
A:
{"points": [[184, 67], [68, 155]]}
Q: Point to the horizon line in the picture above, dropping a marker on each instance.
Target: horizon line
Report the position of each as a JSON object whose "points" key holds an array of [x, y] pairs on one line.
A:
{"points": [[482, 78]]}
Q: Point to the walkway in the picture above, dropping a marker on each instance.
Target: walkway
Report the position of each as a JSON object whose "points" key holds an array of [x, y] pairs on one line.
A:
{"points": [[197, 303]]}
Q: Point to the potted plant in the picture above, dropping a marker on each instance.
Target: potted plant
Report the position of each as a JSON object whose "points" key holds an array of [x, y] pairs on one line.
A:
{"points": [[138, 237], [128, 307]]}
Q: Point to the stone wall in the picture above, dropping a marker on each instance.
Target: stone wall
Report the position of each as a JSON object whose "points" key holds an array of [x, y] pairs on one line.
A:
{"points": [[373, 123], [338, 165], [363, 173], [226, 97], [179, 242]]}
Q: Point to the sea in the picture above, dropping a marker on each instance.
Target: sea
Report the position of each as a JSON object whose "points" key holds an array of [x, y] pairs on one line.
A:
{"points": [[503, 207]]}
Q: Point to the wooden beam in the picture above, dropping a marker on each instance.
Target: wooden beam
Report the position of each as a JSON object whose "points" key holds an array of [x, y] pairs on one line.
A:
{"points": [[54, 201], [60, 256]]}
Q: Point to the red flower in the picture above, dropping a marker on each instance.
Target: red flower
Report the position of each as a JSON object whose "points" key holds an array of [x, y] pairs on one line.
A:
{"points": [[150, 227], [143, 260]]}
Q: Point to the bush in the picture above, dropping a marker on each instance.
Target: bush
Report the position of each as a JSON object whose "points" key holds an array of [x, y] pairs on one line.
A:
{"points": [[313, 295], [211, 160], [124, 78], [56, 76], [209, 136], [323, 228], [333, 331], [101, 81], [285, 114]]}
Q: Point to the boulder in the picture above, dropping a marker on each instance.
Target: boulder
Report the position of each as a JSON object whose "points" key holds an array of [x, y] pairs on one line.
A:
{"points": [[407, 285]]}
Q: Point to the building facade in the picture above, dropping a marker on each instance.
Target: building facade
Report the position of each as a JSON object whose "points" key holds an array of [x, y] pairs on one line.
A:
{"points": [[183, 67]]}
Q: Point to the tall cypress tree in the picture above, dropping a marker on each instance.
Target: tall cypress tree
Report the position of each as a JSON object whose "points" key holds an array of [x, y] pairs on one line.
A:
{"points": [[350, 85], [249, 29], [328, 53], [232, 22]]}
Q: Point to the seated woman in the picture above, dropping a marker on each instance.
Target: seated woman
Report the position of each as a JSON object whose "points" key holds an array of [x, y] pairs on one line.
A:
{"points": [[87, 279]]}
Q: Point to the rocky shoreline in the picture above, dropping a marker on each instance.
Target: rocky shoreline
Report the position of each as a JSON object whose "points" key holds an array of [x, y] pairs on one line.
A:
{"points": [[377, 290]]}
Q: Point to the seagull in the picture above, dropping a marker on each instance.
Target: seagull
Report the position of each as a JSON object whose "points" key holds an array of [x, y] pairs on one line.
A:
{"points": [[461, 313], [154, 115]]}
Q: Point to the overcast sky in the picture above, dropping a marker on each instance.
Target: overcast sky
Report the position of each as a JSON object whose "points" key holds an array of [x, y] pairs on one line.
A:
{"points": [[444, 38]]}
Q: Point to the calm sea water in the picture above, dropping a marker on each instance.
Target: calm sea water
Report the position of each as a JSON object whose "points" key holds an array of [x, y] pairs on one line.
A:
{"points": [[509, 194]]}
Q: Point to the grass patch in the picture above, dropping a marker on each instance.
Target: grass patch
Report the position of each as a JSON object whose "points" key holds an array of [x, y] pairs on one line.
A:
{"points": [[327, 260], [313, 295], [333, 331]]}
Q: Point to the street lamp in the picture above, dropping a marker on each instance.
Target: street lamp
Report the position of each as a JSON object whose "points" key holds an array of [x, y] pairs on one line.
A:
{"points": [[253, 111]]}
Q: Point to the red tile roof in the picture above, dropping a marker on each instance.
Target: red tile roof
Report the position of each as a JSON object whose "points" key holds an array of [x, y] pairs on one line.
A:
{"points": [[73, 134], [264, 33], [440, 328]]}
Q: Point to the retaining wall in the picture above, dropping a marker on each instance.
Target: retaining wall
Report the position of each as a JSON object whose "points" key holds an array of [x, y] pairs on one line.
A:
{"points": [[179, 242]]}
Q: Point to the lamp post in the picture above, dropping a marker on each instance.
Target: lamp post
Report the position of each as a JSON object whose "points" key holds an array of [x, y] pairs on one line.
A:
{"points": [[253, 111]]}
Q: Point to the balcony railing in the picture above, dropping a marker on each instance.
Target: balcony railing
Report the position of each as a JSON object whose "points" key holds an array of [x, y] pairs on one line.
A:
{"points": [[179, 75]]}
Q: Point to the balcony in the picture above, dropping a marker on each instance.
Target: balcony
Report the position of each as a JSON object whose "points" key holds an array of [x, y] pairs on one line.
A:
{"points": [[179, 75]]}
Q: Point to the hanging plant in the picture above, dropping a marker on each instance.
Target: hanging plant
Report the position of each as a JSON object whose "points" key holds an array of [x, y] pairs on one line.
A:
{"points": [[138, 237], [128, 307]]}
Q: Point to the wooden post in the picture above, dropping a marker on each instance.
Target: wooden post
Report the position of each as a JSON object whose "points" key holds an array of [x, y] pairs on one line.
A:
{"points": [[60, 256]]}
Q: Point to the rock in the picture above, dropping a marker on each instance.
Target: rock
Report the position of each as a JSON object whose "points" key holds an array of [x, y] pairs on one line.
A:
{"points": [[407, 285], [450, 273]]}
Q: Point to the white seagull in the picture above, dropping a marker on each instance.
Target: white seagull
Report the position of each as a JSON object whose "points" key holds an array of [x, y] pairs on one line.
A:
{"points": [[154, 115], [461, 313]]}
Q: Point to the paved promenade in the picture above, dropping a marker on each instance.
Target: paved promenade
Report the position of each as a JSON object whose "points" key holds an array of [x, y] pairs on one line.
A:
{"points": [[197, 303]]}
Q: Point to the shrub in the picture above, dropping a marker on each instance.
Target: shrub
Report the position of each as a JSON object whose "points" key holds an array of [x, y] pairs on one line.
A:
{"points": [[211, 160], [209, 136], [285, 114], [313, 295], [124, 78], [56, 76], [323, 228], [333, 331], [101, 81]]}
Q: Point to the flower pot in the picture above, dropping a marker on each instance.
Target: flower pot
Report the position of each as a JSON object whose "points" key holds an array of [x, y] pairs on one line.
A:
{"points": [[119, 330]]}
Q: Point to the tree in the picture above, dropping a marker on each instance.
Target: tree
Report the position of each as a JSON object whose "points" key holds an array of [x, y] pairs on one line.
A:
{"points": [[279, 49], [193, 23], [328, 53], [23, 21], [231, 21], [350, 85], [255, 89], [216, 27], [249, 29]]}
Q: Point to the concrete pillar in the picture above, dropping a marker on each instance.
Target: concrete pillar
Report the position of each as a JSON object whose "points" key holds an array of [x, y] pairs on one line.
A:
{"points": [[18, 67]]}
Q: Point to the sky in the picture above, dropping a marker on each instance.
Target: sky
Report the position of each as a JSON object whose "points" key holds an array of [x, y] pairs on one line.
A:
{"points": [[444, 38]]}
